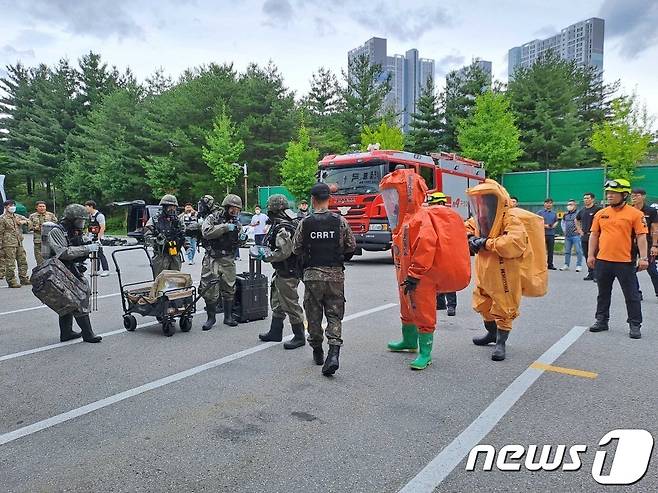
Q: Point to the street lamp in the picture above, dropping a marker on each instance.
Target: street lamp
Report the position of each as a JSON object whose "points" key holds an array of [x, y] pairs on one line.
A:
{"points": [[244, 171]]}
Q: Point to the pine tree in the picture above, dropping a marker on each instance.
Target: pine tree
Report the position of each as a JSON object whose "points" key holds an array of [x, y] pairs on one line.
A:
{"points": [[425, 126], [458, 99], [362, 97]]}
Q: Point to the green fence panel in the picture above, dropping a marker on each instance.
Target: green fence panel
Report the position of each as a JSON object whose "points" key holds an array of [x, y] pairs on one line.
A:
{"points": [[573, 183], [265, 192], [527, 186]]}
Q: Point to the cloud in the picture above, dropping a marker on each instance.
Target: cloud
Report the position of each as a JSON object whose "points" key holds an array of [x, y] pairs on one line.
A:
{"points": [[101, 19], [9, 52], [277, 12], [545, 32], [633, 22], [448, 63], [402, 23], [324, 27]]}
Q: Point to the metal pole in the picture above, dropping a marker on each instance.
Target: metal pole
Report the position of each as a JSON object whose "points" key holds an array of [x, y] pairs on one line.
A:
{"points": [[245, 184]]}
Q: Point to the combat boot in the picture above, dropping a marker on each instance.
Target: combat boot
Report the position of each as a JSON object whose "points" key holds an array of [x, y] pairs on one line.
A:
{"points": [[452, 311], [635, 331], [409, 342], [331, 364], [424, 358], [275, 333], [491, 334], [499, 351], [87, 332], [599, 326], [14, 284], [66, 332], [228, 314], [211, 310], [298, 340], [318, 355]]}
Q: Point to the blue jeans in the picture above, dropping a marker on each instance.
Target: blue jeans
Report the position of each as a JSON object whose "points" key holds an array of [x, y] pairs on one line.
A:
{"points": [[570, 241], [191, 249]]}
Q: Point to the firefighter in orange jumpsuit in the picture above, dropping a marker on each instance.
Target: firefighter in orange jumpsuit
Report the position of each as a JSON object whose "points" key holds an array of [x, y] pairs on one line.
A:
{"points": [[416, 246], [499, 241]]}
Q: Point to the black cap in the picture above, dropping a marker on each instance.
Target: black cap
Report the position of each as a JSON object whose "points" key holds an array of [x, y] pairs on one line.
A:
{"points": [[9, 202], [303, 201], [320, 191], [641, 191]]}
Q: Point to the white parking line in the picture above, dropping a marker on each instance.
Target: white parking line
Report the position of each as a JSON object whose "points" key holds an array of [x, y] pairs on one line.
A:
{"points": [[41, 349], [438, 469], [113, 399], [21, 310]]}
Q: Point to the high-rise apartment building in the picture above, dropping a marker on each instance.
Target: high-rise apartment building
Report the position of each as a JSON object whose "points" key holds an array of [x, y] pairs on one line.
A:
{"points": [[581, 42], [484, 65], [408, 75]]}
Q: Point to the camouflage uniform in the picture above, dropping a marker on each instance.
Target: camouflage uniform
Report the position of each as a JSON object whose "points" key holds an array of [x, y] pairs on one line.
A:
{"points": [[161, 258], [11, 238], [222, 235], [324, 292], [36, 220], [284, 298]]}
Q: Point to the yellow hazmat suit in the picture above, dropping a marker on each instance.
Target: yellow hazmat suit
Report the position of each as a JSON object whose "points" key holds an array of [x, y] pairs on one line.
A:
{"points": [[499, 240]]}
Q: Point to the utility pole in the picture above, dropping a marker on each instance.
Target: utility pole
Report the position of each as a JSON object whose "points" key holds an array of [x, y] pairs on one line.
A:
{"points": [[245, 173]]}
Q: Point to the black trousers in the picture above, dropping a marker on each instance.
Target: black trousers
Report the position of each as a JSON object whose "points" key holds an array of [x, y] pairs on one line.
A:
{"points": [[606, 273], [550, 246], [446, 299], [102, 260], [585, 242], [653, 274]]}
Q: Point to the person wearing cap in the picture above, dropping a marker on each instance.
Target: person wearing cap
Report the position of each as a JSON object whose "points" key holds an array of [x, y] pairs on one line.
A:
{"points": [[324, 241], [36, 221], [11, 239], [444, 301], [302, 210], [612, 256], [584, 220], [639, 199]]}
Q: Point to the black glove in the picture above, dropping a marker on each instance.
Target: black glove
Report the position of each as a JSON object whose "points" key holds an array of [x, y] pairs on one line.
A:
{"points": [[410, 284], [475, 243]]}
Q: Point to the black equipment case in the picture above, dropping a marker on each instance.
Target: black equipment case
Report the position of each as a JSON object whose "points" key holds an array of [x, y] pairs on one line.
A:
{"points": [[251, 300]]}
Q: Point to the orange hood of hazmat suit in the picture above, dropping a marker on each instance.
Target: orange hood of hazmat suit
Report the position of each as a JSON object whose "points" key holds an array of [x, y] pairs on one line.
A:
{"points": [[429, 246], [498, 264]]}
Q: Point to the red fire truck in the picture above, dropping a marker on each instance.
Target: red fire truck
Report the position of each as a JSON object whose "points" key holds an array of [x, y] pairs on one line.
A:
{"points": [[354, 180]]}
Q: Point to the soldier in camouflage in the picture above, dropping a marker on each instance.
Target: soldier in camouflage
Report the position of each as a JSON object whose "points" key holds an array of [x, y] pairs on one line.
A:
{"points": [[325, 241], [166, 233], [222, 235], [11, 239], [66, 241], [36, 221], [277, 250]]}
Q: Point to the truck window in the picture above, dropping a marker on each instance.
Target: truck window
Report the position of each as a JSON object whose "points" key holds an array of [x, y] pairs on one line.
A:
{"points": [[428, 175]]}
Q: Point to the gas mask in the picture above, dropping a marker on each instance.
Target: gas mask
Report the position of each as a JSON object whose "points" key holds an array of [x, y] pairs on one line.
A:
{"points": [[79, 224], [170, 211]]}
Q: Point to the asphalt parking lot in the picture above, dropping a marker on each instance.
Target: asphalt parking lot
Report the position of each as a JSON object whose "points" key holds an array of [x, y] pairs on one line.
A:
{"points": [[221, 411]]}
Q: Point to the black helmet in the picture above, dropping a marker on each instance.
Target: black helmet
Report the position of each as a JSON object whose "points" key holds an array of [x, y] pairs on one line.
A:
{"points": [[75, 211], [277, 203]]}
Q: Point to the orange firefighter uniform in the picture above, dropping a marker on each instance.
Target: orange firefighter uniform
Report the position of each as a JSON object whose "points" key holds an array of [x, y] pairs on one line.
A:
{"points": [[499, 240], [425, 262]]}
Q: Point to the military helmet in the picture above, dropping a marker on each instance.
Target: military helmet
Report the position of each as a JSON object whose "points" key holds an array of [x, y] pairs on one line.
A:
{"points": [[437, 198], [620, 185], [232, 200], [75, 211], [277, 203], [169, 200]]}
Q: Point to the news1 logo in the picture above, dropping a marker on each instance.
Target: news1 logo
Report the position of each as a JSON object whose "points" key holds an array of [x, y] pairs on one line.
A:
{"points": [[628, 465]]}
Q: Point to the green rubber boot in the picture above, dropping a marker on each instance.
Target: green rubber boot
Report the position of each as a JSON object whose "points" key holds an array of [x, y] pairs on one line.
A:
{"points": [[424, 358], [409, 342]]}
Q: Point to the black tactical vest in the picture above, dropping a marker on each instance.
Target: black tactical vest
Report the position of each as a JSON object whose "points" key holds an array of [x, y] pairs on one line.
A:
{"points": [[321, 240], [226, 244], [291, 266]]}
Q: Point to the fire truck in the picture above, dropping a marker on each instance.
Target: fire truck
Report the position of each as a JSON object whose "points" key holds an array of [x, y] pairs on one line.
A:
{"points": [[354, 181]]}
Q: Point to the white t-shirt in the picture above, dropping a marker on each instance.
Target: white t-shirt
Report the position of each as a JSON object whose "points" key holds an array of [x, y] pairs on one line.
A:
{"points": [[259, 222]]}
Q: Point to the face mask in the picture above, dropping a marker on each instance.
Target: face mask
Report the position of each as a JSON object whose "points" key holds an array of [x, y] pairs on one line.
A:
{"points": [[12, 209]]}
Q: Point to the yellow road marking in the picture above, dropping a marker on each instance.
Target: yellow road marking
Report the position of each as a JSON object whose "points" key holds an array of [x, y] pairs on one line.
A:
{"points": [[566, 371]]}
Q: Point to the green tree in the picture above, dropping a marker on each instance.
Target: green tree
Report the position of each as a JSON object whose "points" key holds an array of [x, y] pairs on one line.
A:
{"points": [[490, 135], [362, 97], [425, 126], [458, 99], [222, 150], [162, 174], [624, 139], [387, 136], [549, 101], [298, 169], [320, 113]]}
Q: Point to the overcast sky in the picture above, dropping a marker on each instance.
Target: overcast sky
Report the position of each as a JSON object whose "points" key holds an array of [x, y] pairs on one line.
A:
{"points": [[301, 35]]}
